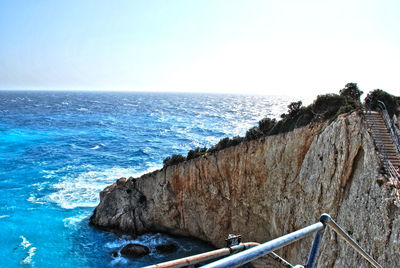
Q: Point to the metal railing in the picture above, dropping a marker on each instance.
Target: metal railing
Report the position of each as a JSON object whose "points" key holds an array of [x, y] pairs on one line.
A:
{"points": [[393, 172], [253, 251], [215, 254], [389, 123], [378, 139], [203, 257], [380, 143], [263, 249]]}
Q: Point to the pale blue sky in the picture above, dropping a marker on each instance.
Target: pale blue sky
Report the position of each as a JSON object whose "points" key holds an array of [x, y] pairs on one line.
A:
{"points": [[287, 47]]}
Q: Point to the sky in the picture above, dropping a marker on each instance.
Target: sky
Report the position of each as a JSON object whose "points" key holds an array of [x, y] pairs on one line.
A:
{"points": [[280, 47]]}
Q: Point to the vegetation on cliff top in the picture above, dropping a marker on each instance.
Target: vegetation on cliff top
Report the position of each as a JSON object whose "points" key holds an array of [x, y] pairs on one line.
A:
{"points": [[324, 107], [392, 102]]}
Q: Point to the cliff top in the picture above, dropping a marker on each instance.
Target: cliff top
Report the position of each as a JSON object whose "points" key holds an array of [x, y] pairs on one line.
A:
{"points": [[325, 107]]}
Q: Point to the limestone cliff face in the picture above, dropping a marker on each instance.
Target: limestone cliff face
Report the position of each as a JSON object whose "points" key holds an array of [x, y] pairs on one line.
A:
{"points": [[266, 188]]}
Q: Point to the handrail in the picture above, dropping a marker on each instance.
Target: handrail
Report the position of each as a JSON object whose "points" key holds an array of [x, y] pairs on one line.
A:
{"points": [[393, 172], [211, 255], [263, 249], [389, 123], [215, 254]]}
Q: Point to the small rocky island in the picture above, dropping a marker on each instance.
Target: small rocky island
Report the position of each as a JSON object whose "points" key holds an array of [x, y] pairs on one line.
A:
{"points": [[269, 186]]}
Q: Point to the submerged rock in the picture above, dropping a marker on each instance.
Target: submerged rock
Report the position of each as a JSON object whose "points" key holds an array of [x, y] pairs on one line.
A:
{"points": [[167, 248], [115, 254], [134, 250]]}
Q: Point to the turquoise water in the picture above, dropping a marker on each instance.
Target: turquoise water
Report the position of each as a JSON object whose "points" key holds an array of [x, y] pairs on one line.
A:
{"points": [[58, 150]]}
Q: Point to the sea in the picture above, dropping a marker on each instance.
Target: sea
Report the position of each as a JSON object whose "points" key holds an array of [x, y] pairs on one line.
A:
{"points": [[58, 150]]}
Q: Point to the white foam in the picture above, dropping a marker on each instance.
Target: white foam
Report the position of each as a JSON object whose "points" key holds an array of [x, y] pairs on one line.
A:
{"points": [[72, 222], [131, 105], [119, 261], [28, 258], [97, 146], [25, 243], [4, 216], [50, 173], [83, 190], [33, 199], [40, 186]]}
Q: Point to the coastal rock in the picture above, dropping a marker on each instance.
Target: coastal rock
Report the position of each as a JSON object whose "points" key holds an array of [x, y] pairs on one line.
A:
{"points": [[269, 187], [134, 250]]}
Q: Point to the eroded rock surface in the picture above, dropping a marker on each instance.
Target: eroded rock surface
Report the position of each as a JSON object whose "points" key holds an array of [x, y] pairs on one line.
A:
{"points": [[266, 188]]}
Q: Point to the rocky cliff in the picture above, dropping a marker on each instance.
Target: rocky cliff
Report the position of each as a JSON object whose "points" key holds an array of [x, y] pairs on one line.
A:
{"points": [[265, 188]]}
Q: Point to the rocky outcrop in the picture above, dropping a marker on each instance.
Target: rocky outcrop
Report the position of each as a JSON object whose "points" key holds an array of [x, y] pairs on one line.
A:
{"points": [[265, 188]]}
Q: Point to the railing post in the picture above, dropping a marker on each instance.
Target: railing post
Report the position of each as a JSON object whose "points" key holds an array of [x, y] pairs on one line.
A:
{"points": [[312, 257]]}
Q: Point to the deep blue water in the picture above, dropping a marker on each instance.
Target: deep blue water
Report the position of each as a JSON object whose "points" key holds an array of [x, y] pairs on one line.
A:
{"points": [[58, 150]]}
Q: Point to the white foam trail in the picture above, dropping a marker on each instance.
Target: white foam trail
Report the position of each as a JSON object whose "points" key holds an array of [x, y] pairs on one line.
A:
{"points": [[4, 216], [31, 251], [83, 190], [97, 146], [28, 259], [25, 243], [131, 105]]}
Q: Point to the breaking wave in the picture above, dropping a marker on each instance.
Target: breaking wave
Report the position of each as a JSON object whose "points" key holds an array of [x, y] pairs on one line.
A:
{"points": [[82, 190]]}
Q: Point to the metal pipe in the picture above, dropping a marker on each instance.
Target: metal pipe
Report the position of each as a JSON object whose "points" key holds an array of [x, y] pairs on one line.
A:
{"points": [[312, 258], [263, 249], [205, 256], [349, 240]]}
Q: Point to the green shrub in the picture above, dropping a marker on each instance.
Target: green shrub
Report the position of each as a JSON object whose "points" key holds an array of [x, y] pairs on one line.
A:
{"points": [[327, 106], [265, 125], [305, 117], [173, 160], [225, 143], [253, 133], [277, 128], [392, 102], [294, 108], [192, 154], [345, 109], [351, 91]]}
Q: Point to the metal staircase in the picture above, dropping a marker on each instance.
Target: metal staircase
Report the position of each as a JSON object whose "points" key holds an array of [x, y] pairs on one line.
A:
{"points": [[386, 138]]}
